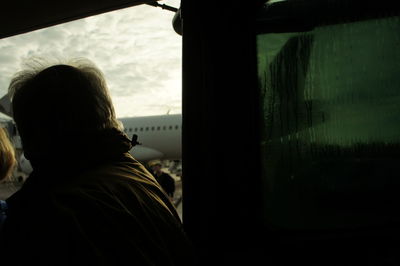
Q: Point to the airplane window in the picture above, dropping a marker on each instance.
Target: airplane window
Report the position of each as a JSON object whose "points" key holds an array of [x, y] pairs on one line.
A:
{"points": [[141, 129], [170, 127], [176, 127], [152, 128], [147, 128], [136, 129], [331, 122], [158, 128], [164, 127], [130, 129]]}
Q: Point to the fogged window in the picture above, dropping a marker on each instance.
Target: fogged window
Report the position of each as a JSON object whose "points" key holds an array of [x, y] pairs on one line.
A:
{"points": [[331, 125]]}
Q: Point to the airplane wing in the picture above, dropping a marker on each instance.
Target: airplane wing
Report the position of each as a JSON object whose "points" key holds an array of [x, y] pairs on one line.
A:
{"points": [[5, 118], [5, 110]]}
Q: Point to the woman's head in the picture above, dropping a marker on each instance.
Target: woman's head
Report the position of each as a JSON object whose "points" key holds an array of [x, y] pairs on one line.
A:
{"points": [[7, 156]]}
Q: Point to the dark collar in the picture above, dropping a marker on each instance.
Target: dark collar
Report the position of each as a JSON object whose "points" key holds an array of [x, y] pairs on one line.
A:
{"points": [[79, 155]]}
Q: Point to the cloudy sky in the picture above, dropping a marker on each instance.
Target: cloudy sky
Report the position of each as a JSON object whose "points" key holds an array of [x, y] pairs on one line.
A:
{"points": [[136, 48]]}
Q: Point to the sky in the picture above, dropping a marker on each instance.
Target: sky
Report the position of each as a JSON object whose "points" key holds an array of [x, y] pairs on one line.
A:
{"points": [[136, 48]]}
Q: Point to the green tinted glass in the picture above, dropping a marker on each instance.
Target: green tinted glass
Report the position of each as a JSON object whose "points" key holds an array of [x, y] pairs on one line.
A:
{"points": [[331, 125]]}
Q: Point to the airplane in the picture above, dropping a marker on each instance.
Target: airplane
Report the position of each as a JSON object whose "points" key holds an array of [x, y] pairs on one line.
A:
{"points": [[230, 221], [158, 136]]}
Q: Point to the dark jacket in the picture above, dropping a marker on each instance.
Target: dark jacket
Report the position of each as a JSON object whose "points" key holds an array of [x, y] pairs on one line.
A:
{"points": [[107, 211]]}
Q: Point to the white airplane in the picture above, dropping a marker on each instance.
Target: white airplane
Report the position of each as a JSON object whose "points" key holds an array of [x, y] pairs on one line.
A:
{"points": [[159, 137]]}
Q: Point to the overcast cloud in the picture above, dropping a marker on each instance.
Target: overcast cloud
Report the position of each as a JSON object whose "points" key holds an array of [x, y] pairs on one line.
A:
{"points": [[136, 48]]}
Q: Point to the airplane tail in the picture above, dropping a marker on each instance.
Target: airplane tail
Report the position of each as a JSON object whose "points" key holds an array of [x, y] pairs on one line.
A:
{"points": [[5, 105]]}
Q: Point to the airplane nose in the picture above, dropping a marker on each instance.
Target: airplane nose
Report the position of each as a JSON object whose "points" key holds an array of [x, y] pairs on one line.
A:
{"points": [[142, 153]]}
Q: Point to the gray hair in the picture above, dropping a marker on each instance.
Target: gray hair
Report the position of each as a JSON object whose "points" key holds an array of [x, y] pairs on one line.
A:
{"points": [[60, 101]]}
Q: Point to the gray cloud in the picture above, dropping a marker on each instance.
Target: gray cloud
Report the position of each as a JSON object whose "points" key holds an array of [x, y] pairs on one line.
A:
{"points": [[136, 48]]}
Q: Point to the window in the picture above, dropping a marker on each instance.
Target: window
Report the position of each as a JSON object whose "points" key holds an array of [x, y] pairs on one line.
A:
{"points": [[118, 35], [331, 122]]}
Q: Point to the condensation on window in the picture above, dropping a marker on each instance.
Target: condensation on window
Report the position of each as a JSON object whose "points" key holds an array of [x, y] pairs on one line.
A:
{"points": [[331, 124]]}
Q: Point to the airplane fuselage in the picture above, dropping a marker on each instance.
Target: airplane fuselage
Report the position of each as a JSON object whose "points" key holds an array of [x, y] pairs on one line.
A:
{"points": [[159, 136]]}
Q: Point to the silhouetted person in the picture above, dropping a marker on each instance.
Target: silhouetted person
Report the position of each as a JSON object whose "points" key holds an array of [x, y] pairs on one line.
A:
{"points": [[166, 181], [87, 201]]}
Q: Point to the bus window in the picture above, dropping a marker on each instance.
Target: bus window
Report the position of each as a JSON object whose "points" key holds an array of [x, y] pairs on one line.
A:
{"points": [[330, 142]]}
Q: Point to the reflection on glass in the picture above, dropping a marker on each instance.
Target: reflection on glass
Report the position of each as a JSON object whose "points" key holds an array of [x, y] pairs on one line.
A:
{"points": [[331, 125]]}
